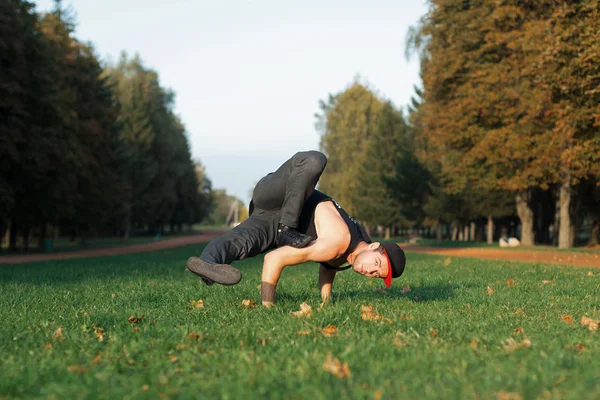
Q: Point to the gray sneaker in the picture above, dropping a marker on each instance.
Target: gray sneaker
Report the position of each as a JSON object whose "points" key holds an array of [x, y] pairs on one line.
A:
{"points": [[214, 273]]}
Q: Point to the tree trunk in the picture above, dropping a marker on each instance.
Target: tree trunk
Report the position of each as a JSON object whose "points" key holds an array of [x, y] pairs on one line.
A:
{"points": [[490, 230], [472, 231], [454, 232], [526, 215], [12, 240], [466, 232], [565, 234], [556, 225], [387, 233], [595, 232], [438, 231], [127, 222]]}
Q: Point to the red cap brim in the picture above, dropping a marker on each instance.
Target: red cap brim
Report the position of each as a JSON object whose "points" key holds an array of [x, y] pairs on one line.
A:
{"points": [[388, 279]]}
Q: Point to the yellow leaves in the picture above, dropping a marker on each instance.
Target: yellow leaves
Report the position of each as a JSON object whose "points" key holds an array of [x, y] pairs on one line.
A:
{"points": [[510, 282], [447, 261], [305, 311], [197, 304], [490, 291], [546, 281], [145, 388], [303, 332], [335, 367], [433, 333], [173, 358], [592, 324], [248, 303], [502, 395], [329, 331], [405, 289], [193, 336], [590, 273], [58, 334], [368, 313], [474, 344], [96, 359], [134, 320], [567, 318], [519, 330], [511, 344], [99, 332], [519, 311]]}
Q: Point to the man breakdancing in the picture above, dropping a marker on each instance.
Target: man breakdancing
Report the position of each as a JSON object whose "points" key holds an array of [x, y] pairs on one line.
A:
{"points": [[303, 224]]}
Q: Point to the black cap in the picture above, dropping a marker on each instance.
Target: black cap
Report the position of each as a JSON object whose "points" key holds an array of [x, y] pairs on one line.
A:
{"points": [[396, 260]]}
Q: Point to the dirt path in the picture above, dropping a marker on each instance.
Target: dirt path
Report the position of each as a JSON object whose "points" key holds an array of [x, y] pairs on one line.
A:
{"points": [[137, 248], [550, 257]]}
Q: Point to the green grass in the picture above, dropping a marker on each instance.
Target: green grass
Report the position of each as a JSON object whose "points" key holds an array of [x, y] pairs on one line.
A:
{"points": [[469, 244], [257, 353]]}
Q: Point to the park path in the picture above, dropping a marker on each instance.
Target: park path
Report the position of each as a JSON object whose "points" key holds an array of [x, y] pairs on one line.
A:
{"points": [[537, 256], [136, 248]]}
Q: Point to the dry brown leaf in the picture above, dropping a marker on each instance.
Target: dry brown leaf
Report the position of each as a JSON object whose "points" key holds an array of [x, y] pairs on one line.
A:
{"points": [[305, 311], [58, 334], [134, 320], [474, 344], [592, 324], [96, 359], [99, 332], [113, 295], [519, 330], [502, 395], [377, 395], [511, 344], [329, 331], [303, 332], [490, 290], [183, 346], [580, 349], [433, 333], [145, 388], [519, 311], [405, 289], [335, 367], [369, 313], [173, 358], [196, 304], [510, 282], [526, 343], [545, 282], [48, 346], [399, 342], [193, 336], [248, 303], [567, 318], [76, 369], [447, 261], [590, 273]]}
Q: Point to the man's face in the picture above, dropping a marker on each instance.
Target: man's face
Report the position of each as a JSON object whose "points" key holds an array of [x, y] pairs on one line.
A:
{"points": [[372, 262]]}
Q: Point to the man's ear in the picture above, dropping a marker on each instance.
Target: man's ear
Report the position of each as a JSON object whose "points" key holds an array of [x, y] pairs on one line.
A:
{"points": [[374, 246]]}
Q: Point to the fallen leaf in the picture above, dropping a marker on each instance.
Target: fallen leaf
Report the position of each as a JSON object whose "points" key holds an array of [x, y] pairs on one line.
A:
{"points": [[97, 359], [76, 369], [474, 344], [335, 367], [134, 320], [405, 289], [433, 333], [511, 344], [85, 314], [377, 395], [99, 332], [145, 388], [590, 273], [502, 395], [519, 311], [193, 336], [592, 324], [519, 330], [510, 282], [369, 313], [183, 346], [545, 282], [303, 332], [490, 290], [48, 346], [305, 311], [248, 303], [579, 347], [329, 331], [173, 358], [567, 318], [196, 304], [58, 334], [112, 295], [407, 317], [136, 328], [399, 342], [447, 261]]}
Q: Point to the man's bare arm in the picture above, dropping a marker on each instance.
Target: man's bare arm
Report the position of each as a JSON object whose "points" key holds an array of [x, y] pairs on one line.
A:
{"points": [[320, 250], [326, 278]]}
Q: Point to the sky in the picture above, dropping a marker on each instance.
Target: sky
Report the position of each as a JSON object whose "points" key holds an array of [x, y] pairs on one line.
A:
{"points": [[248, 75]]}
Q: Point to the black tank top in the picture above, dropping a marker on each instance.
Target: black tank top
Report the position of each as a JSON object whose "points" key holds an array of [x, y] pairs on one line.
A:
{"points": [[306, 224]]}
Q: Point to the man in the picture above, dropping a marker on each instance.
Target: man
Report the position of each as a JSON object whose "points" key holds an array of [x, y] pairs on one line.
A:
{"points": [[302, 224]]}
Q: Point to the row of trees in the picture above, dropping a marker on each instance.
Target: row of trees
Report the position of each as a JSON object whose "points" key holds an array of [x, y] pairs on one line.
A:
{"points": [[86, 147], [507, 125]]}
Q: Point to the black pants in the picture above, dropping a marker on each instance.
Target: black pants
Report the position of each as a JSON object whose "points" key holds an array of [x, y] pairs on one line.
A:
{"points": [[277, 198]]}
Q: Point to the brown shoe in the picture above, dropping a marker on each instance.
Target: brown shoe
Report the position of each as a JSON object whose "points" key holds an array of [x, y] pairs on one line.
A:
{"points": [[214, 273]]}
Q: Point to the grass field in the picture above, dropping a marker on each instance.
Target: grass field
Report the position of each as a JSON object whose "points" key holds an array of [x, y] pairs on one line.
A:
{"points": [[466, 329]]}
